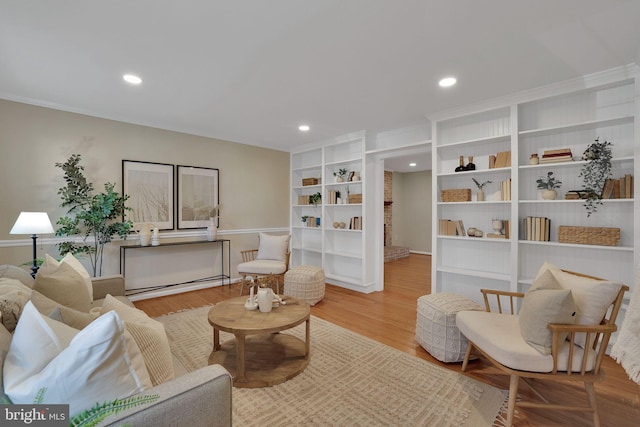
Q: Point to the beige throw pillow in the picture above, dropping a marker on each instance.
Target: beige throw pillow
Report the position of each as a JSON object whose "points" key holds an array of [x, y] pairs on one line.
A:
{"points": [[13, 297], [64, 285], [545, 303], [74, 318], [593, 297], [150, 336]]}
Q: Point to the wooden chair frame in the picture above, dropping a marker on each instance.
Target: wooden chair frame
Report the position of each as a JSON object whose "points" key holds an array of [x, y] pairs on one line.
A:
{"points": [[599, 333], [261, 279]]}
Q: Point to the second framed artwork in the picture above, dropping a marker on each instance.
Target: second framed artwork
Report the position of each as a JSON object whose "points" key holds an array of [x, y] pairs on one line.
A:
{"points": [[198, 194]]}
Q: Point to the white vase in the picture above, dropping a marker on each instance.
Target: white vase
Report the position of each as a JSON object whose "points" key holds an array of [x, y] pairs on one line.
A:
{"points": [[339, 179], [145, 239], [480, 196], [212, 230], [549, 194], [265, 299]]}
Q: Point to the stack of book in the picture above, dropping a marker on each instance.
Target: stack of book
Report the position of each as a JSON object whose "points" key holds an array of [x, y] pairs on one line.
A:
{"points": [[355, 223], [312, 221], [537, 228], [618, 188], [303, 200], [447, 227], [555, 156], [333, 197]]}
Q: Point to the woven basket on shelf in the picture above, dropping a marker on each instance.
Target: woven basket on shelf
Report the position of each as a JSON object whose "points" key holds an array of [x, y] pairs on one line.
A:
{"points": [[457, 195], [605, 236]]}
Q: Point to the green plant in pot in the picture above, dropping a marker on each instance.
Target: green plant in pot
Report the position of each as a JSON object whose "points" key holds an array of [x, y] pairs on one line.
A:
{"points": [[304, 219], [315, 198], [95, 216], [548, 186], [340, 174], [595, 173]]}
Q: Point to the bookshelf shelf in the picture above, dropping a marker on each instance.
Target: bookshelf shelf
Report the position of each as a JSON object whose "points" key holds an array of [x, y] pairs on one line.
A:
{"points": [[340, 252], [568, 115]]}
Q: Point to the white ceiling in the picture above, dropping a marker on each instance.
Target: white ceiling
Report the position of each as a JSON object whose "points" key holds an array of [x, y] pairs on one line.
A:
{"points": [[251, 71]]}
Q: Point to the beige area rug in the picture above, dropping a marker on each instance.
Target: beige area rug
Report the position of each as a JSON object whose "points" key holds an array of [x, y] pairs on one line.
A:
{"points": [[351, 380]]}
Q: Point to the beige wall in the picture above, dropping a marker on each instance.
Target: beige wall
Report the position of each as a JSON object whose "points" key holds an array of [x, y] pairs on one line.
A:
{"points": [[254, 182], [412, 210]]}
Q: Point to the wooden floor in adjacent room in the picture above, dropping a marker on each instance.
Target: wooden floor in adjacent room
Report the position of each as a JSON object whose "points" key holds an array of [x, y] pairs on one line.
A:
{"points": [[390, 317]]}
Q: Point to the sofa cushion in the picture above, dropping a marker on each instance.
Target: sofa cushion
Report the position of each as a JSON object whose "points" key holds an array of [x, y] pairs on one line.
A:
{"points": [[79, 368], [150, 336], [70, 259], [545, 303], [74, 318], [273, 247], [64, 285], [593, 297], [498, 335], [262, 267], [13, 272], [13, 296]]}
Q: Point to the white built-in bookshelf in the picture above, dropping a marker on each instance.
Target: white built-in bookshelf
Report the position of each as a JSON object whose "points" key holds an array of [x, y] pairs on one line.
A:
{"points": [[566, 115], [339, 251]]}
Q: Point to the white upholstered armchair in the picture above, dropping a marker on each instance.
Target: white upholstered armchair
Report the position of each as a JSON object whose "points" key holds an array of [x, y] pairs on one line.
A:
{"points": [[267, 264], [561, 333]]}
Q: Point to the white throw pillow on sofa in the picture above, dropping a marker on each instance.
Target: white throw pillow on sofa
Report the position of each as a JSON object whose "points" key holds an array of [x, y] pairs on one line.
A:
{"points": [[78, 368]]}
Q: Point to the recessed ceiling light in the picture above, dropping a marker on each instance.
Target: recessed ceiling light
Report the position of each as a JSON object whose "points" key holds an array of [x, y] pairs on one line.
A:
{"points": [[413, 165], [133, 79], [304, 128], [447, 82]]}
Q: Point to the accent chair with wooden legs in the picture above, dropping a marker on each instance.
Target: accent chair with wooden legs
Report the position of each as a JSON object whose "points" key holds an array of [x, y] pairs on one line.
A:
{"points": [[560, 333], [266, 265]]}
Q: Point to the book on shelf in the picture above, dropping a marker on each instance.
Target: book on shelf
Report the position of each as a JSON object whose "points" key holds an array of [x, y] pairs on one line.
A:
{"points": [[557, 155], [537, 228], [303, 200], [502, 160], [447, 227], [505, 189], [618, 188], [355, 223]]}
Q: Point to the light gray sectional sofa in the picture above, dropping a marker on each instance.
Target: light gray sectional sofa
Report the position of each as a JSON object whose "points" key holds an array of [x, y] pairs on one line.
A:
{"points": [[199, 398]]}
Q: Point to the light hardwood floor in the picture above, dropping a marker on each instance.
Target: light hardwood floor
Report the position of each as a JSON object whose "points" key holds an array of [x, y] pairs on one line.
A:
{"points": [[390, 317]]}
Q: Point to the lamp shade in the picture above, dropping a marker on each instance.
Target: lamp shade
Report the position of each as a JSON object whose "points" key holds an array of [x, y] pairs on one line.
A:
{"points": [[32, 223]]}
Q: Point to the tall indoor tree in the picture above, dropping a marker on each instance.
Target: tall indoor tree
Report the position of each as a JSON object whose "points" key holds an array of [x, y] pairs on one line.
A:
{"points": [[95, 216]]}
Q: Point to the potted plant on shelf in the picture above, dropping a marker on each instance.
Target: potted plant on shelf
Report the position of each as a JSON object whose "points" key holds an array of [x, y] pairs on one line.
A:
{"points": [[595, 173], [548, 186], [304, 220], [340, 175], [315, 199], [480, 195]]}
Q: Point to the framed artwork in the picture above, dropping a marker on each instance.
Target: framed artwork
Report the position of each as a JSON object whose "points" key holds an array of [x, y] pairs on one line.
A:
{"points": [[198, 194], [150, 190]]}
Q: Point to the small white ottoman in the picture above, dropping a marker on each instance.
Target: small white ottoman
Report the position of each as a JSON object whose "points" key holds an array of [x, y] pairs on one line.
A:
{"points": [[305, 282], [436, 328]]}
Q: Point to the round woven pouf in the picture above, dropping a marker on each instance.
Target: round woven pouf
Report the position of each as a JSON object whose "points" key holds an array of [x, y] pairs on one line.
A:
{"points": [[305, 282]]}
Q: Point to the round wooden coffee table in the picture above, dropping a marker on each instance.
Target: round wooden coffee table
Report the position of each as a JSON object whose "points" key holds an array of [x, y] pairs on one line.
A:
{"points": [[259, 356]]}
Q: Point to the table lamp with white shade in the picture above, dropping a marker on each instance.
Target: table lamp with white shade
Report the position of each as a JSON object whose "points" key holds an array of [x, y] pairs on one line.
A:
{"points": [[32, 223]]}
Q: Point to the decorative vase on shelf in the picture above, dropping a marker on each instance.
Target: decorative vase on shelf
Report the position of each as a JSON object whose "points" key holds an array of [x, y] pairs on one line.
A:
{"points": [[549, 194], [480, 196], [212, 230], [339, 179]]}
